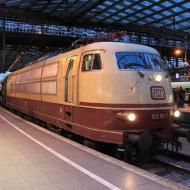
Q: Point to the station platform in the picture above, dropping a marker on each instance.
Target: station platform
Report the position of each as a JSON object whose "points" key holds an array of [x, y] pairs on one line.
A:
{"points": [[34, 158], [186, 108]]}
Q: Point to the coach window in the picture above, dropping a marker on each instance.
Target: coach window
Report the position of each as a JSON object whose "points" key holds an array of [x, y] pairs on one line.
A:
{"points": [[91, 62]]}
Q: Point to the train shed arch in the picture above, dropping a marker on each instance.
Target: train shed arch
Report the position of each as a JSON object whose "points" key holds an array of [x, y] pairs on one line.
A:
{"points": [[30, 29]]}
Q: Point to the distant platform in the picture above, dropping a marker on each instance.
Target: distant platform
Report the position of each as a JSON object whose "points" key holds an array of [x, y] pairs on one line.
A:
{"points": [[35, 158], [186, 108]]}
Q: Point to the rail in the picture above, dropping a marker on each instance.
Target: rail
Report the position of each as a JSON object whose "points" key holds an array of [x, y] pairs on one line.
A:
{"points": [[170, 165]]}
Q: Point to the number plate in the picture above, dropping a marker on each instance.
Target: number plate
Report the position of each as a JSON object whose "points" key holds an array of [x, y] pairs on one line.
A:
{"points": [[157, 93], [159, 116]]}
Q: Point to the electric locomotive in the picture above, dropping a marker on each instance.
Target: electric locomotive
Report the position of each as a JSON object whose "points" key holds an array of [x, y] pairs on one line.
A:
{"points": [[110, 92]]}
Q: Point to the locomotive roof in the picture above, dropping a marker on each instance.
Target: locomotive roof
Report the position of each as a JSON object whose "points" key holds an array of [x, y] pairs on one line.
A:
{"points": [[119, 46], [107, 46]]}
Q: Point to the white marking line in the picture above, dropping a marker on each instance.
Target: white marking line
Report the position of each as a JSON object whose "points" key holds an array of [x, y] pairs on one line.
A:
{"points": [[73, 164]]}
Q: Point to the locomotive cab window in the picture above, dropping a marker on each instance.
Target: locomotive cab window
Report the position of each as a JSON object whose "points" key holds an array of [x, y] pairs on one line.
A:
{"points": [[91, 62], [139, 61]]}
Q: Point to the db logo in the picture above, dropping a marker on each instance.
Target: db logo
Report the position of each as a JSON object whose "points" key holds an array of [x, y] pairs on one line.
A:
{"points": [[157, 93]]}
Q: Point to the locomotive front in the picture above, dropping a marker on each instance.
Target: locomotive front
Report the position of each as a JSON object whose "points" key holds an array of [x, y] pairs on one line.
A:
{"points": [[149, 104], [129, 101]]}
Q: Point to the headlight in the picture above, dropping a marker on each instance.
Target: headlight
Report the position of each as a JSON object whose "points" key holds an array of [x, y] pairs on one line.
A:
{"points": [[158, 78], [176, 113], [131, 117], [127, 116]]}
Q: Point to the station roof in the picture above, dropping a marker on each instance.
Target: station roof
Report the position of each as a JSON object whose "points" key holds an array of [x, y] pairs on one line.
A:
{"points": [[162, 18], [145, 15]]}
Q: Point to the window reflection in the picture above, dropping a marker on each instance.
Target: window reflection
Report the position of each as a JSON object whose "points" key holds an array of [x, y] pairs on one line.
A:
{"points": [[91, 62], [139, 61]]}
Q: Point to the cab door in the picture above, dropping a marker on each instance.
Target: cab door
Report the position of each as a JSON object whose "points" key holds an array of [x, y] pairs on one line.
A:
{"points": [[69, 79], [70, 82]]}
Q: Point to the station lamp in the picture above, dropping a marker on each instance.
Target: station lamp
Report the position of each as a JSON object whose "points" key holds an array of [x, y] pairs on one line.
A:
{"points": [[177, 51]]}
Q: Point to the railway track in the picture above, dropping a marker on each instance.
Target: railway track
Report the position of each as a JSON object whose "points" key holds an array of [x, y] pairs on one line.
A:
{"points": [[183, 124], [171, 166]]}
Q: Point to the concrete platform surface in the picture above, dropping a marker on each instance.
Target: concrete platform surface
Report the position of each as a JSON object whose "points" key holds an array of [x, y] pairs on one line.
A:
{"points": [[33, 158]]}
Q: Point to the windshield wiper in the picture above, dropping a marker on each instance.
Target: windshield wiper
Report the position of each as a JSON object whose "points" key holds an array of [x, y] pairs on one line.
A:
{"points": [[140, 73], [132, 65]]}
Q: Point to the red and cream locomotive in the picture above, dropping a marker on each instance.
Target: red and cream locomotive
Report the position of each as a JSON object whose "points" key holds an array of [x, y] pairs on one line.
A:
{"points": [[109, 92]]}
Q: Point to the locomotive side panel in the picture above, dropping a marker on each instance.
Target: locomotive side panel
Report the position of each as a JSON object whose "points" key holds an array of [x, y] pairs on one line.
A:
{"points": [[49, 81], [11, 86], [27, 86], [40, 89]]}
